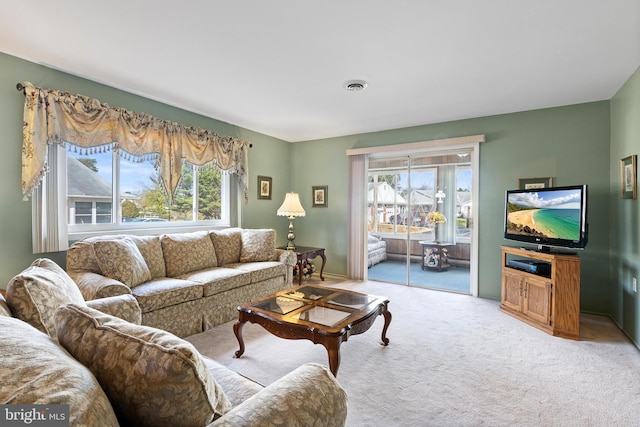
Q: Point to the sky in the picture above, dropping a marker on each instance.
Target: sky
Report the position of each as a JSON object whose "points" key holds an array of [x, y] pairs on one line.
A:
{"points": [[421, 180], [133, 176]]}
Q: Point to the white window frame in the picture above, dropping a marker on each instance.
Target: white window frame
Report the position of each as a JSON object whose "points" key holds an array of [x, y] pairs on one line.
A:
{"points": [[356, 259], [82, 231]]}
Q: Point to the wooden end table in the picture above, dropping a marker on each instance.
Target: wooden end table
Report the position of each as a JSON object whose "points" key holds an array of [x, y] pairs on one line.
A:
{"points": [[326, 316], [308, 252], [434, 255]]}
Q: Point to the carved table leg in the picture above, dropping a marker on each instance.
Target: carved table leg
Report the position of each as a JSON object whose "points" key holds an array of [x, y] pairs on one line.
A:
{"points": [[324, 261], [333, 349], [237, 329], [387, 320]]}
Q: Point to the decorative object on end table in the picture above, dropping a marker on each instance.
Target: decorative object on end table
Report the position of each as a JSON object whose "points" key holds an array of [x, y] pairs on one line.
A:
{"points": [[264, 187], [436, 218], [307, 269], [435, 258], [628, 177], [320, 194], [292, 208], [529, 183]]}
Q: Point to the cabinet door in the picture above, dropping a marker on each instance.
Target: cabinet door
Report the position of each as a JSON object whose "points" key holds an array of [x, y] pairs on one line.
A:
{"points": [[537, 300], [512, 290]]}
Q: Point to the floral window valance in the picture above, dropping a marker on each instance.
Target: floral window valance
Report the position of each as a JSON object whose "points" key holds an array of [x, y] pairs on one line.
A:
{"points": [[56, 117]]}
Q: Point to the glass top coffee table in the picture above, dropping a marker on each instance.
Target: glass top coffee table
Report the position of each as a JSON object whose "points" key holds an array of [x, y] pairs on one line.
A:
{"points": [[326, 316]]}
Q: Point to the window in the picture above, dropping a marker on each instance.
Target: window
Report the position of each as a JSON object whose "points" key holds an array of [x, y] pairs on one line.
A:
{"points": [[464, 214], [83, 213], [97, 128], [96, 182], [400, 197]]}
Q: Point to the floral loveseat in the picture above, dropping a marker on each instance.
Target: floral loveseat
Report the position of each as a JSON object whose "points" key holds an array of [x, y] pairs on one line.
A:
{"points": [[56, 349], [184, 283], [376, 250]]}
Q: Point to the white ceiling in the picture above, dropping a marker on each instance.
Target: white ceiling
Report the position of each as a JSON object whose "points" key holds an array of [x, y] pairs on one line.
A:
{"points": [[278, 67]]}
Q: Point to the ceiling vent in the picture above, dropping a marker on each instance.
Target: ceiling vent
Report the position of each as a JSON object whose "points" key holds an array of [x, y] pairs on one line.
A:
{"points": [[355, 85]]}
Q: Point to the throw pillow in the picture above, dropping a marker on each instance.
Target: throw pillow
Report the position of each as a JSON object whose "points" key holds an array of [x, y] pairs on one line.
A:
{"points": [[121, 260], [152, 377], [228, 245], [34, 295], [187, 252], [36, 370], [258, 245], [151, 251]]}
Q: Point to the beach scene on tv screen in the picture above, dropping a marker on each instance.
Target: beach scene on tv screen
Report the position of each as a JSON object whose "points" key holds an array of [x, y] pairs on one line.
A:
{"points": [[550, 215]]}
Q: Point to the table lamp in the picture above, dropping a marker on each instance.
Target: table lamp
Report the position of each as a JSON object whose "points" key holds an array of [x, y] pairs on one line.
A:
{"points": [[292, 208]]}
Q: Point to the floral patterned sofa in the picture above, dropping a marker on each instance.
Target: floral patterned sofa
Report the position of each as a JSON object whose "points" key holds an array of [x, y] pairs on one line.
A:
{"points": [[376, 250], [58, 349], [185, 283]]}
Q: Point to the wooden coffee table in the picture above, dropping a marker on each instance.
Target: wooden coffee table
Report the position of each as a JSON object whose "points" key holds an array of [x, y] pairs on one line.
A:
{"points": [[326, 316]]}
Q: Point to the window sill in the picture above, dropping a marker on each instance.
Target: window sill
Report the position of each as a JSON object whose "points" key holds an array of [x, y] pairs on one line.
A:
{"points": [[150, 229]]}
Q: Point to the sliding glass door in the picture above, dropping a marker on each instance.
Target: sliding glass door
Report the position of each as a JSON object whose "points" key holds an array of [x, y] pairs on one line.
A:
{"points": [[420, 212]]}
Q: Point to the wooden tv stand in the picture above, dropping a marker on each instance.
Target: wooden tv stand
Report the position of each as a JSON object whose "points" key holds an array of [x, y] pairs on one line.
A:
{"points": [[549, 302]]}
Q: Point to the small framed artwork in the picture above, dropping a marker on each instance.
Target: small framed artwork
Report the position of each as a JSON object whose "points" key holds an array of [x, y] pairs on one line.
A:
{"points": [[264, 187], [629, 177], [320, 194], [533, 183]]}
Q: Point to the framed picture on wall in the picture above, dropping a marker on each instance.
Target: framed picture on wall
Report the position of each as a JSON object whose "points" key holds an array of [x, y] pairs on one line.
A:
{"points": [[264, 187], [320, 196], [532, 183], [629, 177]]}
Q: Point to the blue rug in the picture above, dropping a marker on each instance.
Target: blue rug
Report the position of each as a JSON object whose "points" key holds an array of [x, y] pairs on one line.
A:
{"points": [[454, 279]]}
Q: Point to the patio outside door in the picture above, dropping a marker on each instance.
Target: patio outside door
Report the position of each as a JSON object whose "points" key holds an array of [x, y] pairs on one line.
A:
{"points": [[420, 207]]}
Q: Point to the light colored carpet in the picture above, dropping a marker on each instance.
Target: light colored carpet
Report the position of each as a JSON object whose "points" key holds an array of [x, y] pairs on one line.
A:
{"points": [[456, 360]]}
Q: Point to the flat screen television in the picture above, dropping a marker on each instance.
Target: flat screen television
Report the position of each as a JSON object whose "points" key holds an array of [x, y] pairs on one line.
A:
{"points": [[548, 217]]}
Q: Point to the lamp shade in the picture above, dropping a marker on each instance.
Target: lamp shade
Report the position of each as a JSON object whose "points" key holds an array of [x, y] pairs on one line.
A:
{"points": [[291, 206]]}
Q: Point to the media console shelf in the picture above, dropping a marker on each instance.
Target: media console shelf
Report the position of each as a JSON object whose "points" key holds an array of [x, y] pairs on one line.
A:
{"points": [[549, 302]]}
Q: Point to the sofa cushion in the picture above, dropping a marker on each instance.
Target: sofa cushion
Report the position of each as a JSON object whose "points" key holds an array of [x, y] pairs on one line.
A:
{"points": [[36, 370], [263, 270], [125, 307], [36, 293], [151, 250], [121, 259], [236, 387], [151, 376], [258, 245], [185, 252], [81, 257], [218, 279], [228, 245], [165, 292]]}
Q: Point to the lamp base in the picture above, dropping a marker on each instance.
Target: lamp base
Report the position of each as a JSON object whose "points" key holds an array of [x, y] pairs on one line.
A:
{"points": [[291, 237]]}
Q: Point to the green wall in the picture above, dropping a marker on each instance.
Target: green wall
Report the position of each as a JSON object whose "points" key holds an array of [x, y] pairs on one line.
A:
{"points": [[570, 144], [624, 220], [269, 156]]}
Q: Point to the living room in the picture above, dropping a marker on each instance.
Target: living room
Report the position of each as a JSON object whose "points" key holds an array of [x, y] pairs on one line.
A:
{"points": [[579, 143]]}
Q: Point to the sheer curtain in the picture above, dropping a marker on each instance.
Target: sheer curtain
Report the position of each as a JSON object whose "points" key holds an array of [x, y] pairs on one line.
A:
{"points": [[53, 118], [48, 207], [356, 242]]}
